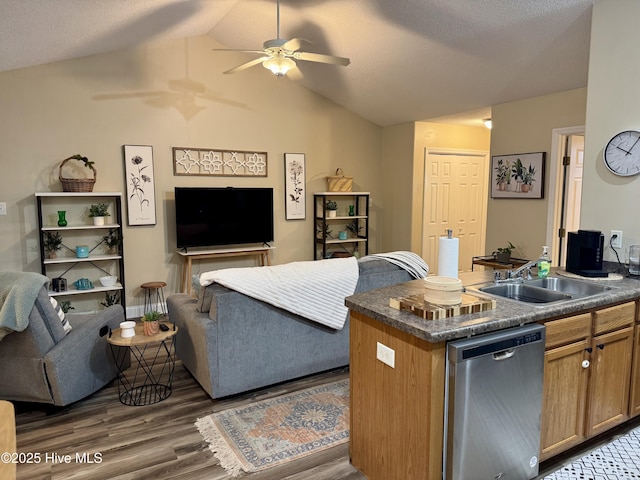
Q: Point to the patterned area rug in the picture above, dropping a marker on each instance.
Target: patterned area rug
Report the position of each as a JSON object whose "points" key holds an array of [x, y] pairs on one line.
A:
{"points": [[278, 430], [617, 460]]}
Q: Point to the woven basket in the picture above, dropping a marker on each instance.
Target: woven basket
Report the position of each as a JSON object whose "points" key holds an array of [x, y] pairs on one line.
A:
{"points": [[77, 184], [339, 183]]}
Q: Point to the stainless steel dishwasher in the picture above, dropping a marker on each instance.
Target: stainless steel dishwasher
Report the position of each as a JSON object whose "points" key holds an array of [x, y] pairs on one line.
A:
{"points": [[493, 404]]}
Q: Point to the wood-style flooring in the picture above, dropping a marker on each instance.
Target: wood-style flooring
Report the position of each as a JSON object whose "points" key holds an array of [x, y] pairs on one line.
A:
{"points": [[153, 442], [160, 441]]}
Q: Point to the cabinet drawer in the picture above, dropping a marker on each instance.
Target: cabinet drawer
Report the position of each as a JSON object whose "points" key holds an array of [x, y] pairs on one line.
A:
{"points": [[609, 319], [566, 330]]}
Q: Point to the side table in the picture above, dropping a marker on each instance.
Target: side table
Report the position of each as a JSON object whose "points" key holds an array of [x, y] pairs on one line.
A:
{"points": [[150, 376]]}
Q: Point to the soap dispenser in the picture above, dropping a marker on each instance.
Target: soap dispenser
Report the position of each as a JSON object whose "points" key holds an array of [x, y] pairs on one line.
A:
{"points": [[544, 263]]}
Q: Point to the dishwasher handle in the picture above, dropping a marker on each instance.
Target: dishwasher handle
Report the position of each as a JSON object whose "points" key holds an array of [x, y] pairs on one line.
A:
{"points": [[504, 355]]}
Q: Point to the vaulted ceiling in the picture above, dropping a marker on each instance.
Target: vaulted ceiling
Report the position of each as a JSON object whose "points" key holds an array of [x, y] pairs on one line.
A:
{"points": [[411, 60]]}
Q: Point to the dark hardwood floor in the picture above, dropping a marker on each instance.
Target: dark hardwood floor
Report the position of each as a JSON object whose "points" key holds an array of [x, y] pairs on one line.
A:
{"points": [[152, 442], [161, 442]]}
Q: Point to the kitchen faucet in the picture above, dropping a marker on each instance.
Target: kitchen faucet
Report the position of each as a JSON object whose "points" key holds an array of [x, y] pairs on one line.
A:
{"points": [[516, 276]]}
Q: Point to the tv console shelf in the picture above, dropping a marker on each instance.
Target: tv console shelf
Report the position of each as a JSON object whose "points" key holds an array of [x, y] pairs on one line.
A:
{"points": [[261, 252]]}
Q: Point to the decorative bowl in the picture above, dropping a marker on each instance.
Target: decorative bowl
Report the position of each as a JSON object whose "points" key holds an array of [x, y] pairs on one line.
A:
{"points": [[108, 281]]}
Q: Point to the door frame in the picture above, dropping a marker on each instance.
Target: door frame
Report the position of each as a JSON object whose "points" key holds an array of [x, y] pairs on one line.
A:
{"points": [[558, 136], [455, 152]]}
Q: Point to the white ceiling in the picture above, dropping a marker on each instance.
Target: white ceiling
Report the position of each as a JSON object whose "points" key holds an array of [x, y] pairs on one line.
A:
{"points": [[410, 59]]}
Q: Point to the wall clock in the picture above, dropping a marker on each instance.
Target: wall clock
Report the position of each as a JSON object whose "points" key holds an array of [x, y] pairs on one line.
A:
{"points": [[622, 153]]}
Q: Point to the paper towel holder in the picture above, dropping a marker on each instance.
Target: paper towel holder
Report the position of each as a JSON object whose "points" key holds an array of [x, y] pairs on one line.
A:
{"points": [[449, 233]]}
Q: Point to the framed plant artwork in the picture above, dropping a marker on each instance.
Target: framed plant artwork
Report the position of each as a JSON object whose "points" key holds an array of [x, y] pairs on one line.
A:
{"points": [[518, 176], [139, 179], [294, 186]]}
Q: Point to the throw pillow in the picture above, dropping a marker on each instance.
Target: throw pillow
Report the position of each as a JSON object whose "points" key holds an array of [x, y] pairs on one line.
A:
{"points": [[65, 323]]}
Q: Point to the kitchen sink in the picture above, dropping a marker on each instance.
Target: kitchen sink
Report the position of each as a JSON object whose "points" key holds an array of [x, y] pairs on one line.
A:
{"points": [[575, 288], [544, 290], [525, 293]]}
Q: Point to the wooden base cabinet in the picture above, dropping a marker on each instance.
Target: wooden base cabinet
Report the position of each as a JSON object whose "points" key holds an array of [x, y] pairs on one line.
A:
{"points": [[396, 413], [634, 403], [587, 376]]}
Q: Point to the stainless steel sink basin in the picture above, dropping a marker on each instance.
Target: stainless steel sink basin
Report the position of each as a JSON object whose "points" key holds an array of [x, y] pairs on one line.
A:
{"points": [[575, 288], [544, 291], [525, 293]]}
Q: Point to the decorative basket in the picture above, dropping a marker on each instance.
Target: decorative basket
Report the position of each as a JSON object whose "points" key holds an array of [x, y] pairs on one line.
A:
{"points": [[77, 184], [339, 183]]}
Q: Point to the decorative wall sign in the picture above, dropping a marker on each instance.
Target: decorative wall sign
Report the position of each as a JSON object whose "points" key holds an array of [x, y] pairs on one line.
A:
{"points": [[518, 176], [210, 162], [141, 196], [294, 186]]}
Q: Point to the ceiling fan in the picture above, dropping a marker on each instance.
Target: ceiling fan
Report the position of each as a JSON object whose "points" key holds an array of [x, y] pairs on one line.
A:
{"points": [[278, 54]]}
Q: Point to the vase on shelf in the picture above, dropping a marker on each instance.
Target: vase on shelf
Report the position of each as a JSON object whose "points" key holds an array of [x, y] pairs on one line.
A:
{"points": [[352, 210], [62, 218]]}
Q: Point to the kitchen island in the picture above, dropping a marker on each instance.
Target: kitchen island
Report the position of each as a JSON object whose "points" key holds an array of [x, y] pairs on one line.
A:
{"points": [[397, 414]]}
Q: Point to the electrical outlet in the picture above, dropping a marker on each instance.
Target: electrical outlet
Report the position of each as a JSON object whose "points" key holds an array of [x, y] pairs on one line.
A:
{"points": [[616, 242], [386, 355]]}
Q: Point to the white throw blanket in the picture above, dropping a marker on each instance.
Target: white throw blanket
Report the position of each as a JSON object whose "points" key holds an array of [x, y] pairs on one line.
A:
{"points": [[312, 289], [411, 262]]}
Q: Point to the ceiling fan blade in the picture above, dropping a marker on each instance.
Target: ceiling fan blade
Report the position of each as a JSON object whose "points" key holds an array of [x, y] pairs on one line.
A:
{"points": [[318, 57], [250, 64], [236, 50], [294, 44]]}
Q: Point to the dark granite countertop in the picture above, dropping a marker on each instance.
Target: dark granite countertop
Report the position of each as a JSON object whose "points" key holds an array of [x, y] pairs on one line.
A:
{"points": [[508, 313]]}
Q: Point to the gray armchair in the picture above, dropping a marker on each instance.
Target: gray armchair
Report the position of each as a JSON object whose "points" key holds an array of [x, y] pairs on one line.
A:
{"points": [[44, 364]]}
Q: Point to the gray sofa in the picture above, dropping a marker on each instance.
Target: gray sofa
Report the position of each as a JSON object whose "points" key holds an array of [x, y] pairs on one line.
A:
{"points": [[232, 343], [44, 364]]}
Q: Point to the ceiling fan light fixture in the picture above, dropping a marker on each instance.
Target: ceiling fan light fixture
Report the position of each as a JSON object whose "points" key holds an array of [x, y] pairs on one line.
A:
{"points": [[279, 66]]}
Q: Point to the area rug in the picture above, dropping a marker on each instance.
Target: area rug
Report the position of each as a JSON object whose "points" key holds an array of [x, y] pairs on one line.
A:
{"points": [[282, 429], [617, 460]]}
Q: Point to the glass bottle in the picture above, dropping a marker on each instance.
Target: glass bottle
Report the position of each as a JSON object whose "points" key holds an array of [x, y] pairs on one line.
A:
{"points": [[62, 220]]}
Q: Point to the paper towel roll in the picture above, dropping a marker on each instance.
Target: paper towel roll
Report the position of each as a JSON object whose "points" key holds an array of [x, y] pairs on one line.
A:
{"points": [[448, 257]]}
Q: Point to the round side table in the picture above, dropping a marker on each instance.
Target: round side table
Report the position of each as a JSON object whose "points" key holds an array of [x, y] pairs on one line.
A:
{"points": [[148, 380]]}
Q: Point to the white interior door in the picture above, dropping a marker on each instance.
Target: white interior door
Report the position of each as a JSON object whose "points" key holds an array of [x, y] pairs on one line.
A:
{"points": [[574, 189], [455, 198]]}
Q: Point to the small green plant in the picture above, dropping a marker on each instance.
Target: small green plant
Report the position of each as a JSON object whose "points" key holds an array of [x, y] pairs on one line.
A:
{"points": [[52, 241], [110, 299], [502, 171], [331, 205], [65, 306], [152, 316], [506, 249], [528, 176], [98, 210], [353, 227], [112, 239]]}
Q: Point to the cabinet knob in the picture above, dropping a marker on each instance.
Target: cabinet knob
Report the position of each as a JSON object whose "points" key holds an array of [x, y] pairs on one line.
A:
{"points": [[585, 364]]}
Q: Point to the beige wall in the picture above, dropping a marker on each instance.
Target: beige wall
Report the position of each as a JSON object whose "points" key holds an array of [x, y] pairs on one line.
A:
{"points": [[523, 127], [96, 104], [608, 201]]}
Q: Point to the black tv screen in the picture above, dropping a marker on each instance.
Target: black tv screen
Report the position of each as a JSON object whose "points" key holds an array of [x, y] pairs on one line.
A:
{"points": [[223, 216]]}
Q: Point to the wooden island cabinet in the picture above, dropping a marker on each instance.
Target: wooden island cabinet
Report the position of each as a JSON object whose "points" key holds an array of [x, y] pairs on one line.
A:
{"points": [[591, 375], [587, 376]]}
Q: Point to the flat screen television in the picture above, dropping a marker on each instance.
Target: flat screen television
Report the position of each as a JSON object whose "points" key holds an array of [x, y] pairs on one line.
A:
{"points": [[223, 216]]}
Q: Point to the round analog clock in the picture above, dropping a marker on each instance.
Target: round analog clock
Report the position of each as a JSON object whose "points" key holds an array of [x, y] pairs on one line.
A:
{"points": [[622, 153]]}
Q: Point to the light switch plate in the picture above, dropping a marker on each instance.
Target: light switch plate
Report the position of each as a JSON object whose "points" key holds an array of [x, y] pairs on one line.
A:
{"points": [[3, 208]]}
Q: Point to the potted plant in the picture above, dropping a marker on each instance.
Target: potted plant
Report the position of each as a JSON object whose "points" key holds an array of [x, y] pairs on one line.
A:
{"points": [[112, 240], [151, 322], [110, 299], [65, 306], [52, 243], [354, 228], [502, 174], [331, 208], [503, 254], [528, 178], [98, 212], [517, 172]]}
